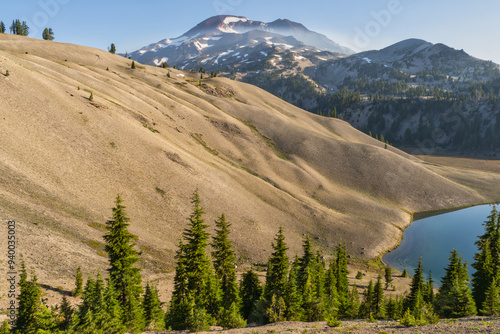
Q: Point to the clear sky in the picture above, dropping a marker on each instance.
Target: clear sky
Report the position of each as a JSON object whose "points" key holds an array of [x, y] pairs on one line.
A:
{"points": [[359, 24]]}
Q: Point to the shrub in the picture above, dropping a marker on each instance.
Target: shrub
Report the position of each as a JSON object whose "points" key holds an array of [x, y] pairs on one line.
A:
{"points": [[359, 275]]}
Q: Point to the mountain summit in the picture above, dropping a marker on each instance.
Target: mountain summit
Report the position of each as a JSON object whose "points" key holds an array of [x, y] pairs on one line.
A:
{"points": [[216, 34]]}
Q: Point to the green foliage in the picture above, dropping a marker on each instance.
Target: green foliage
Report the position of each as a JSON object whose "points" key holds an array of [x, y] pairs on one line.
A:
{"points": [[224, 263], [7, 73], [276, 310], [133, 65], [19, 28], [29, 302], [153, 314], [416, 288], [77, 291], [126, 278], [199, 320], [341, 272], [2, 27], [48, 34], [250, 292], [378, 299], [5, 329], [277, 269], [359, 275], [112, 48], [491, 304], [231, 317], [455, 298], [388, 276], [405, 273], [331, 321], [91, 97], [408, 319]]}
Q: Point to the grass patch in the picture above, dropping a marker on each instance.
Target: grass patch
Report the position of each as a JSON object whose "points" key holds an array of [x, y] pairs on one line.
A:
{"points": [[98, 226], [197, 137], [160, 191], [98, 246], [153, 130], [269, 142]]}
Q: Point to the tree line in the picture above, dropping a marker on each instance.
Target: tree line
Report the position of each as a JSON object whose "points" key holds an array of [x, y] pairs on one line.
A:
{"points": [[206, 291], [21, 28]]}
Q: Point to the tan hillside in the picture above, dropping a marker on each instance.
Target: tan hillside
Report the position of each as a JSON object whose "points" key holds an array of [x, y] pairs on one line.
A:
{"points": [[154, 140]]}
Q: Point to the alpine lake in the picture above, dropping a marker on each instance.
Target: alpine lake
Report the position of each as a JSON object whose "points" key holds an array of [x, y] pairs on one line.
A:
{"points": [[434, 237]]}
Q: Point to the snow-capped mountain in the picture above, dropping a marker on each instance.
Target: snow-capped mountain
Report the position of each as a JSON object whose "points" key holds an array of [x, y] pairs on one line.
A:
{"points": [[223, 42]]}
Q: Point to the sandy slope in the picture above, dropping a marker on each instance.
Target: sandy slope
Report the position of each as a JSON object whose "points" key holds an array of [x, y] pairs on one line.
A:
{"points": [[265, 163]]}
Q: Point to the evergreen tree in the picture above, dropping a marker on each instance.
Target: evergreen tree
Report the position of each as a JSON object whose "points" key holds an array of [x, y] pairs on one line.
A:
{"points": [[455, 298], [388, 277], [200, 277], [224, 263], [48, 34], [86, 321], [66, 315], [429, 296], [2, 27], [122, 257], [417, 287], [250, 291], [29, 302], [330, 291], [292, 295], [78, 283], [486, 259], [113, 310], [277, 269], [378, 299], [133, 65], [341, 273], [25, 30], [367, 307], [112, 48], [153, 315], [351, 310], [491, 304], [231, 317]]}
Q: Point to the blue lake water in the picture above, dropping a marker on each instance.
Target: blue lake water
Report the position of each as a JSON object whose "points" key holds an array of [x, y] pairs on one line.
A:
{"points": [[434, 237]]}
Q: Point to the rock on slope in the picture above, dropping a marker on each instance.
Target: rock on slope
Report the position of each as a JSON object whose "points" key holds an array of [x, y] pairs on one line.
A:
{"points": [[155, 139]]}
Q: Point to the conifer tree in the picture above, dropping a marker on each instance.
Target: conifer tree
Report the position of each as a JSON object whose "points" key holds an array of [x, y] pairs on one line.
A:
{"points": [[78, 283], [133, 65], [224, 263], [292, 296], [378, 299], [29, 302], [153, 315], [250, 292], [113, 310], [491, 304], [122, 257], [112, 48], [330, 291], [417, 287], [429, 295], [455, 298], [2, 27], [48, 34], [277, 269], [487, 258], [86, 321], [351, 310], [66, 314], [367, 307], [341, 273], [388, 276]]}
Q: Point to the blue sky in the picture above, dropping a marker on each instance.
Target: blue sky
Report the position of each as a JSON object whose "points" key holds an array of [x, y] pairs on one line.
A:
{"points": [[359, 24]]}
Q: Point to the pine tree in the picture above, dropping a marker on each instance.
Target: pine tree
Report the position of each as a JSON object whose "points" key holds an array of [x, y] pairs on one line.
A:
{"points": [[367, 307], [78, 283], [417, 287], [351, 310], [133, 65], [330, 291], [86, 321], [486, 259], [250, 292], [231, 317], [66, 314], [122, 257], [29, 302], [341, 273], [277, 269], [112, 48], [91, 97], [224, 263], [405, 273], [388, 277], [378, 299], [48, 34], [293, 297], [113, 310], [429, 295], [25, 30], [455, 298], [154, 317], [2, 27], [491, 304]]}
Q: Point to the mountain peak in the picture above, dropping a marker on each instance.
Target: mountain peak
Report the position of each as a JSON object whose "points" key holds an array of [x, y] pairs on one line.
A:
{"points": [[224, 24]]}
